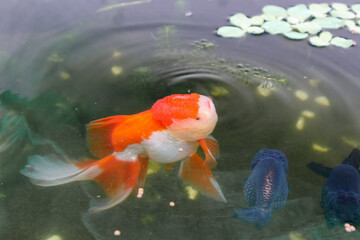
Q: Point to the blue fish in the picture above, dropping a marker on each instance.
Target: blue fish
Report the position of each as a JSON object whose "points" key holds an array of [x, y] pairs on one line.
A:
{"points": [[340, 196], [266, 188]]}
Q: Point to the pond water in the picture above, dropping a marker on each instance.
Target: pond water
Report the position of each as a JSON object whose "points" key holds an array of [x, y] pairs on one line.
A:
{"points": [[64, 64]]}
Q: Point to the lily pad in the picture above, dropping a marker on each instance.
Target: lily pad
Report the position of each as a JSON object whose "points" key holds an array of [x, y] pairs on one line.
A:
{"points": [[269, 17], [309, 27], [342, 42], [326, 36], [257, 20], [340, 6], [354, 30], [329, 22], [240, 20], [276, 27], [300, 12], [356, 8], [276, 11], [342, 14], [319, 10], [349, 23], [316, 41], [230, 32], [255, 30], [296, 35], [292, 20]]}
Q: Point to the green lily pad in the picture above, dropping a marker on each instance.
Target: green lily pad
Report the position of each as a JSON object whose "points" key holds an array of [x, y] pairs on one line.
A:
{"points": [[354, 29], [257, 20], [319, 10], [325, 36], [356, 8], [349, 23], [318, 42], [295, 35], [240, 20], [342, 14], [342, 42], [269, 17], [309, 27], [230, 32], [329, 22], [276, 27], [276, 11], [300, 12], [292, 20], [255, 30], [340, 6]]}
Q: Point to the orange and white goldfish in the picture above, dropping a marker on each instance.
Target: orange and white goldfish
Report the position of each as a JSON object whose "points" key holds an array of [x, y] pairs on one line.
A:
{"points": [[170, 131]]}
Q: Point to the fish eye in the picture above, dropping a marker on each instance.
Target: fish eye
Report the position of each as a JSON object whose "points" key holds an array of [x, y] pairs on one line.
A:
{"points": [[197, 118]]}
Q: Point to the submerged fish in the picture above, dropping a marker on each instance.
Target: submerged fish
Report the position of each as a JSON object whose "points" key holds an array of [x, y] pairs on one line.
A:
{"points": [[170, 131], [340, 196], [266, 189]]}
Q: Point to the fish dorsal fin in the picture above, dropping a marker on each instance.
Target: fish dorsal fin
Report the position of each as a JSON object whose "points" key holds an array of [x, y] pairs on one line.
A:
{"points": [[99, 134], [211, 149], [198, 175], [319, 169], [353, 159]]}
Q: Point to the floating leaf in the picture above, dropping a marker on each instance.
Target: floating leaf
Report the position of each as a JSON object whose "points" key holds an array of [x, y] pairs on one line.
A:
{"points": [[276, 11], [292, 20], [308, 114], [300, 123], [340, 6], [268, 17], [257, 20], [300, 12], [329, 22], [265, 92], [230, 32], [342, 42], [296, 35], [320, 148], [355, 29], [116, 70], [309, 27], [326, 36], [356, 8], [276, 27], [240, 20], [349, 23], [255, 30], [303, 96], [318, 42], [342, 14], [319, 10], [322, 100]]}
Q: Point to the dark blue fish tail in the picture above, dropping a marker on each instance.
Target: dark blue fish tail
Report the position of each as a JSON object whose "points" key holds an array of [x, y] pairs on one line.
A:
{"points": [[253, 215], [353, 159]]}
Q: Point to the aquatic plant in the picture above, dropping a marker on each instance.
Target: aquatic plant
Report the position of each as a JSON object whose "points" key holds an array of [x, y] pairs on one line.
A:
{"points": [[298, 22]]}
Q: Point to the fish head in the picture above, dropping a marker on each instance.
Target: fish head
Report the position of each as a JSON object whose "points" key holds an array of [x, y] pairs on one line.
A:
{"points": [[270, 154], [188, 117]]}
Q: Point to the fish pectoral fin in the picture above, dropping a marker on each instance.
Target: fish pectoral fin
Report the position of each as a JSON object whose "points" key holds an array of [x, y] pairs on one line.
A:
{"points": [[197, 174], [319, 169], [211, 149], [118, 178], [99, 134]]}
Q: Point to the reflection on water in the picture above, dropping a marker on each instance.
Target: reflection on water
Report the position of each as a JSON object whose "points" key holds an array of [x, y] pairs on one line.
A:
{"points": [[56, 77]]}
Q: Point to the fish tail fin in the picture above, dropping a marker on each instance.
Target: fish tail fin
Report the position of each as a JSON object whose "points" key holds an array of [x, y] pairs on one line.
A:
{"points": [[353, 159], [116, 177], [253, 215], [197, 174], [50, 170]]}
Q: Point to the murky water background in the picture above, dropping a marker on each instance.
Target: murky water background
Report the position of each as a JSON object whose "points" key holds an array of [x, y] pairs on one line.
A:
{"points": [[62, 64]]}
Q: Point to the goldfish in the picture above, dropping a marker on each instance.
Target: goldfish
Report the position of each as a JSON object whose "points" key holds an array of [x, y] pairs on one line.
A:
{"points": [[172, 130], [266, 188], [340, 197]]}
